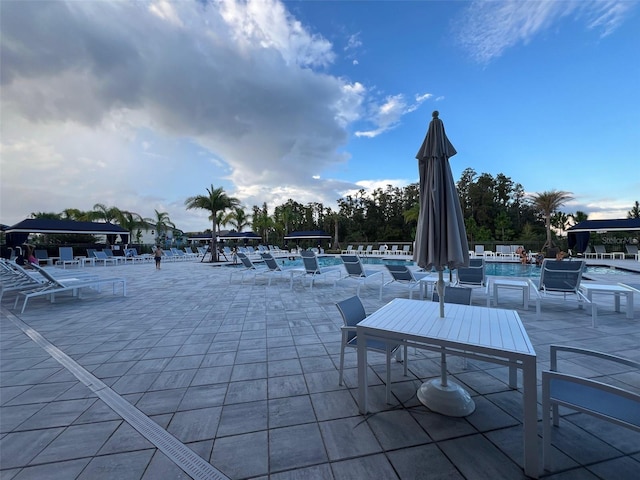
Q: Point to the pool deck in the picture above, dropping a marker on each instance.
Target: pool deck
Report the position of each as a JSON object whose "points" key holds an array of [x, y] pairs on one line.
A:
{"points": [[245, 377]]}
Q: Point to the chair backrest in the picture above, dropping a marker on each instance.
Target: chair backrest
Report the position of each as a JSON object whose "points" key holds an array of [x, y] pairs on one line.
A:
{"points": [[400, 273], [561, 276], [474, 274], [360, 248], [599, 249], [43, 255], [100, 255], [353, 265], [503, 249], [108, 252], [352, 312], [479, 249], [50, 280], [270, 262], [65, 253], [246, 261], [406, 248], [310, 261], [349, 248], [459, 295], [91, 252], [631, 249], [394, 248]]}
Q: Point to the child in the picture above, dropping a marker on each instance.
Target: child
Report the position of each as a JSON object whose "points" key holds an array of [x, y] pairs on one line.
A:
{"points": [[157, 255]]}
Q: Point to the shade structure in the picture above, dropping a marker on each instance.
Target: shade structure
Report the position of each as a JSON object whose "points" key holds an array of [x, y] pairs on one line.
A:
{"points": [[308, 235], [441, 241], [240, 236]]}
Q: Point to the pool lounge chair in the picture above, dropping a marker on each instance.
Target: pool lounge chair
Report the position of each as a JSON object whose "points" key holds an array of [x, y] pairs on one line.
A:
{"points": [[276, 270], [313, 270], [102, 257], [403, 275], [632, 251], [52, 286], [356, 271], [248, 268], [66, 257], [561, 279]]}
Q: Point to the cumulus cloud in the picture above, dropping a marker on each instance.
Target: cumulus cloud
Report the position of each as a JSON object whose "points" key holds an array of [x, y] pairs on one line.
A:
{"points": [[487, 29], [242, 80]]}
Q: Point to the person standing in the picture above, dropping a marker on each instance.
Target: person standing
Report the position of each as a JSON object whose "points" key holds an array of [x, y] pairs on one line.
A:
{"points": [[157, 256]]}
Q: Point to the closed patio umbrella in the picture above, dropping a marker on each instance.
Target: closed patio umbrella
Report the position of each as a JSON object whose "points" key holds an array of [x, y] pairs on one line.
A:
{"points": [[441, 241]]}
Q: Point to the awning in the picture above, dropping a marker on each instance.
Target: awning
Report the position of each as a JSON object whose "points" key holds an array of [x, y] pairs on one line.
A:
{"points": [[622, 225], [310, 234], [240, 236], [48, 226]]}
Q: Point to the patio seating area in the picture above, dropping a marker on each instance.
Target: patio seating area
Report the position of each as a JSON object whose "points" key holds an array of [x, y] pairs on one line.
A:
{"points": [[193, 376]]}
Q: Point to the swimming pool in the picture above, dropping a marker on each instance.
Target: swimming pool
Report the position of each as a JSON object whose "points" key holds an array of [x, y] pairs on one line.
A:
{"points": [[501, 269]]}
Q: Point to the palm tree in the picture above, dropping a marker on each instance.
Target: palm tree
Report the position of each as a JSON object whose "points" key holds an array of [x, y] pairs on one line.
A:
{"points": [[131, 221], [215, 201], [163, 224], [547, 203], [237, 218]]}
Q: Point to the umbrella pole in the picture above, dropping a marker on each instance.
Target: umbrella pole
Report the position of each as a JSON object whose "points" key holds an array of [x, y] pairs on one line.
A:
{"points": [[441, 293]]}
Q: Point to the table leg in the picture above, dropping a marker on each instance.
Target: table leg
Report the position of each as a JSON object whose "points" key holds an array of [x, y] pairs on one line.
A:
{"points": [[530, 417], [629, 305], [363, 387], [525, 297], [617, 302]]}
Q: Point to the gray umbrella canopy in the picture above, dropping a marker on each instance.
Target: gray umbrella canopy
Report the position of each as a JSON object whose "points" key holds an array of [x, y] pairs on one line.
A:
{"points": [[441, 238]]}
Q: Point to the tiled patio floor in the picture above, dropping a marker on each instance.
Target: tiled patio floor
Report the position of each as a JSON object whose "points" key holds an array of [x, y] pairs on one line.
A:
{"points": [[246, 377]]}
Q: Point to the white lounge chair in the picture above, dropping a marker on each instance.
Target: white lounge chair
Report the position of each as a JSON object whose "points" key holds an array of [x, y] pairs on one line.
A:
{"points": [[52, 286], [313, 270], [66, 257], [356, 271], [403, 275], [561, 279]]}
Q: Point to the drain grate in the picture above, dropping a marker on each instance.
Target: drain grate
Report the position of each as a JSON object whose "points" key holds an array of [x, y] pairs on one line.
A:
{"points": [[185, 458]]}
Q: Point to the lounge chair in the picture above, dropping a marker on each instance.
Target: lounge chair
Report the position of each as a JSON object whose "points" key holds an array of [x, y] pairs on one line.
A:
{"points": [[102, 257], [562, 279], [353, 312], [632, 251], [479, 251], [406, 250], [313, 269], [276, 270], [412, 280], [474, 275], [66, 257], [120, 258], [52, 286], [394, 250], [599, 398], [356, 271], [248, 268], [43, 256], [348, 250]]}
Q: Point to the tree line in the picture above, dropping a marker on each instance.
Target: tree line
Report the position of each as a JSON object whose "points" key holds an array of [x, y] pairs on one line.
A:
{"points": [[496, 209]]}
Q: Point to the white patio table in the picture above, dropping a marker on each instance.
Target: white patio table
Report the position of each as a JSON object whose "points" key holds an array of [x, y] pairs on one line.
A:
{"points": [[488, 334]]}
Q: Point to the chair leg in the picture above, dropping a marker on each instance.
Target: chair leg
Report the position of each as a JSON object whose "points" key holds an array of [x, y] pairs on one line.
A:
{"points": [[388, 382], [340, 375]]}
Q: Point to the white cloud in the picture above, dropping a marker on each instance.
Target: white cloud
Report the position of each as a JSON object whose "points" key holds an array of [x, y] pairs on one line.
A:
{"points": [[387, 115], [106, 98], [487, 29]]}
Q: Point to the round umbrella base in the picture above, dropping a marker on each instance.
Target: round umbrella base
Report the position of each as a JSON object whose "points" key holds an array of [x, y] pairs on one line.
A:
{"points": [[452, 400]]}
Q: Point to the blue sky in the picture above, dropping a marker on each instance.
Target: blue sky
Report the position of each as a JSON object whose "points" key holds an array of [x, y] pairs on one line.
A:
{"points": [[142, 104]]}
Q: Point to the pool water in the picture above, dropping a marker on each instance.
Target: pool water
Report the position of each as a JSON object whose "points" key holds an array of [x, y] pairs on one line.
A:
{"points": [[492, 268]]}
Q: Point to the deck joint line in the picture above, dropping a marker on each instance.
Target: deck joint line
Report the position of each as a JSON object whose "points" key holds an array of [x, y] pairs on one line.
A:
{"points": [[180, 454]]}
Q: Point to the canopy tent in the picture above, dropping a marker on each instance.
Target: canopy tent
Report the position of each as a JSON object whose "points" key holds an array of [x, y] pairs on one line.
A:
{"points": [[308, 235], [578, 235], [18, 233]]}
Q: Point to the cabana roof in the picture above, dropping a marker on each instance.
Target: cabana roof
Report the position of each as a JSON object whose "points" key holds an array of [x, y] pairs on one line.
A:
{"points": [[48, 226], [622, 225], [309, 234]]}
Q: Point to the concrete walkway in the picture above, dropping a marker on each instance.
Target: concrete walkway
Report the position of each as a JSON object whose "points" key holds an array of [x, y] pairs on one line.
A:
{"points": [[196, 376]]}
